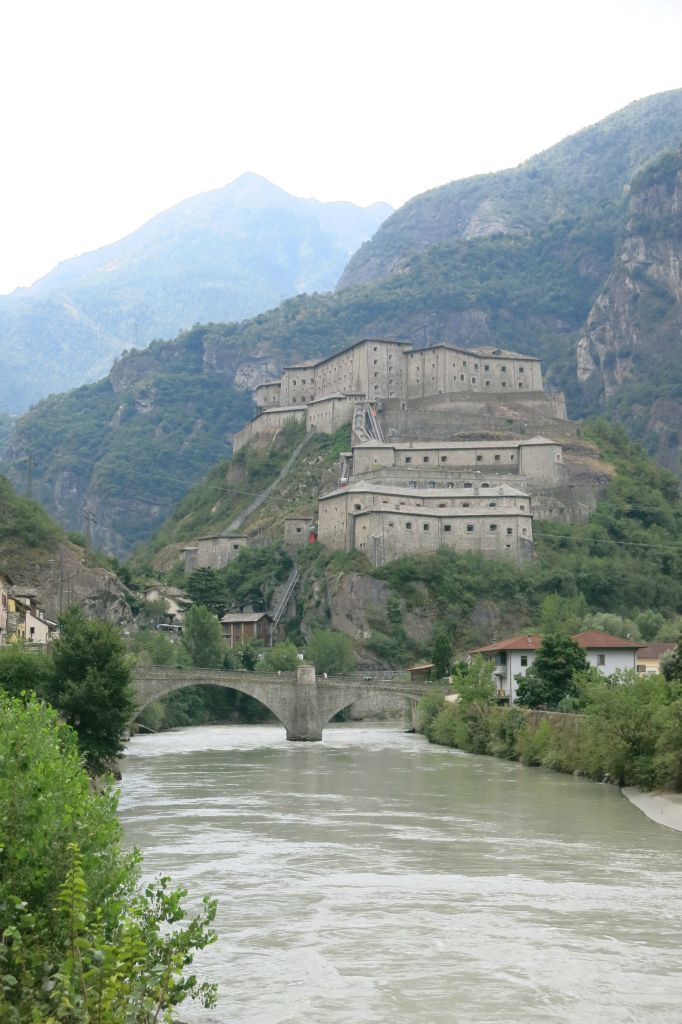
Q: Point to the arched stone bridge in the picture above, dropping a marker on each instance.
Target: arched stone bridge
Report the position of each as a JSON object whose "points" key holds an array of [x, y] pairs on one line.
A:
{"points": [[303, 703]]}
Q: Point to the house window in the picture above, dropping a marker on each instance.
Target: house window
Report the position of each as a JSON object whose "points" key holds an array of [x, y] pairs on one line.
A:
{"points": [[601, 659], [447, 528], [524, 661]]}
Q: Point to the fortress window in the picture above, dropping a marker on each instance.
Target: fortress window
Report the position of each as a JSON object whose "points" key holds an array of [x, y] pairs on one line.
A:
{"points": [[293, 382], [487, 366], [408, 526], [466, 504], [442, 504], [512, 457], [509, 531], [426, 458], [391, 394], [504, 369], [426, 527], [520, 383], [504, 383], [492, 504], [493, 527], [520, 369], [376, 361], [479, 458], [467, 485], [475, 366], [524, 531], [497, 458], [461, 376], [408, 458], [375, 349], [443, 458], [454, 365], [391, 524], [433, 366], [522, 507], [473, 380], [464, 362], [487, 383], [485, 485], [357, 507], [447, 528], [376, 374], [302, 380], [299, 529], [470, 528]]}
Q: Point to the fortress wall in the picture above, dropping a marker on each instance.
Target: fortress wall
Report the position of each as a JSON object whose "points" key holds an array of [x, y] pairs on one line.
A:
{"points": [[268, 422], [441, 370], [328, 414], [449, 416], [386, 535]]}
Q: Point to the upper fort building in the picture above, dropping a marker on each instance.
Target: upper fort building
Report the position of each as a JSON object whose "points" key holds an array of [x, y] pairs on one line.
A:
{"points": [[323, 393]]}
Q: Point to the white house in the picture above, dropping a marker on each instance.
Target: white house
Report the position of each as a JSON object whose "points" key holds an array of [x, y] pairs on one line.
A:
{"points": [[514, 656]]}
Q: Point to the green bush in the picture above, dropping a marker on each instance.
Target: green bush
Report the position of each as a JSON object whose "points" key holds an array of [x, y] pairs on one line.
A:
{"points": [[81, 940]]}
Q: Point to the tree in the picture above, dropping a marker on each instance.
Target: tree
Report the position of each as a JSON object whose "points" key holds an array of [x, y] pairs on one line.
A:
{"points": [[671, 664], [202, 637], [91, 686], [649, 623], [207, 588], [474, 682], [442, 655], [331, 652], [551, 676], [281, 657], [562, 614], [81, 940], [22, 670]]}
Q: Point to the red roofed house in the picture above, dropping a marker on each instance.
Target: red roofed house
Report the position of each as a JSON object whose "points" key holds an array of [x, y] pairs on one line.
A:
{"points": [[649, 656], [514, 656]]}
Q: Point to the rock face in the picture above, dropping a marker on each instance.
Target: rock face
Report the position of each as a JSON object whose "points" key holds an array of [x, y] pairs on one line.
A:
{"points": [[628, 356]]}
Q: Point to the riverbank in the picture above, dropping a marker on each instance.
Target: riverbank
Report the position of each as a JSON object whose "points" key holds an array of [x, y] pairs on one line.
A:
{"points": [[663, 808]]}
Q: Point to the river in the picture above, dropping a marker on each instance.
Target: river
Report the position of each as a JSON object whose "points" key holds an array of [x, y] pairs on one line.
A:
{"points": [[376, 878]]}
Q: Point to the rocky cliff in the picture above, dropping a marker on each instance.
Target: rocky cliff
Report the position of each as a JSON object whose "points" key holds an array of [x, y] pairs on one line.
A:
{"points": [[629, 355]]}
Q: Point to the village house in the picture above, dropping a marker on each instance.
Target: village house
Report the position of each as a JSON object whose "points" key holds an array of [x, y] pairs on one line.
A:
{"points": [[5, 586], [513, 657], [175, 600], [649, 657], [247, 627]]}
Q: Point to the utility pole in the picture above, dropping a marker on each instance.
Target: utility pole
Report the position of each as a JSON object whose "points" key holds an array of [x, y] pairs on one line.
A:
{"points": [[30, 463], [89, 518]]}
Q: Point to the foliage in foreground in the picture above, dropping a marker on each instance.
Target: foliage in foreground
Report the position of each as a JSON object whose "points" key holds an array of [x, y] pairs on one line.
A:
{"points": [[81, 940]]}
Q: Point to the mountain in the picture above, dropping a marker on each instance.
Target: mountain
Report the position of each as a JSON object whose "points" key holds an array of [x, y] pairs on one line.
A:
{"points": [[585, 172], [630, 352], [130, 446], [223, 255]]}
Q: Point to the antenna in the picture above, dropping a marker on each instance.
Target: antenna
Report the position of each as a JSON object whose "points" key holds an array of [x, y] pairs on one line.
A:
{"points": [[89, 518]]}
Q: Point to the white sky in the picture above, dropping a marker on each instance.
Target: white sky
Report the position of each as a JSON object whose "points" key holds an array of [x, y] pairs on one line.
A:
{"points": [[113, 111]]}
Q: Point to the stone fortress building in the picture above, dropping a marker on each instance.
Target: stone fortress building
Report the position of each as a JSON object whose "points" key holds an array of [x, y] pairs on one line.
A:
{"points": [[448, 447]]}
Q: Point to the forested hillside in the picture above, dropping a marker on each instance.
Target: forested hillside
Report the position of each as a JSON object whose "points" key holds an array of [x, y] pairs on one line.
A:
{"points": [[223, 255], [175, 406]]}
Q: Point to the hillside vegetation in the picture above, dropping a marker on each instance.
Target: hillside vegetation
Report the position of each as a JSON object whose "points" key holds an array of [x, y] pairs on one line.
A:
{"points": [[528, 285]]}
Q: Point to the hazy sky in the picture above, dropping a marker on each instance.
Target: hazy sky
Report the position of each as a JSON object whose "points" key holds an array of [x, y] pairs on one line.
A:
{"points": [[113, 111]]}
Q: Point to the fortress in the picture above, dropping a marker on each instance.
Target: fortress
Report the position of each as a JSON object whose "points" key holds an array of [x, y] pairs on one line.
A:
{"points": [[449, 448]]}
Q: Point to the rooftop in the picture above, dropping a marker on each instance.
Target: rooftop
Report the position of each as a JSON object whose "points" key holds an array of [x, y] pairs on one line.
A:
{"points": [[237, 617], [367, 487], [590, 639], [655, 650]]}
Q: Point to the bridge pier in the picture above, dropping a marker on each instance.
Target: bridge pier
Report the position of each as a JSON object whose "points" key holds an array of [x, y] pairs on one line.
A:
{"points": [[304, 724]]}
